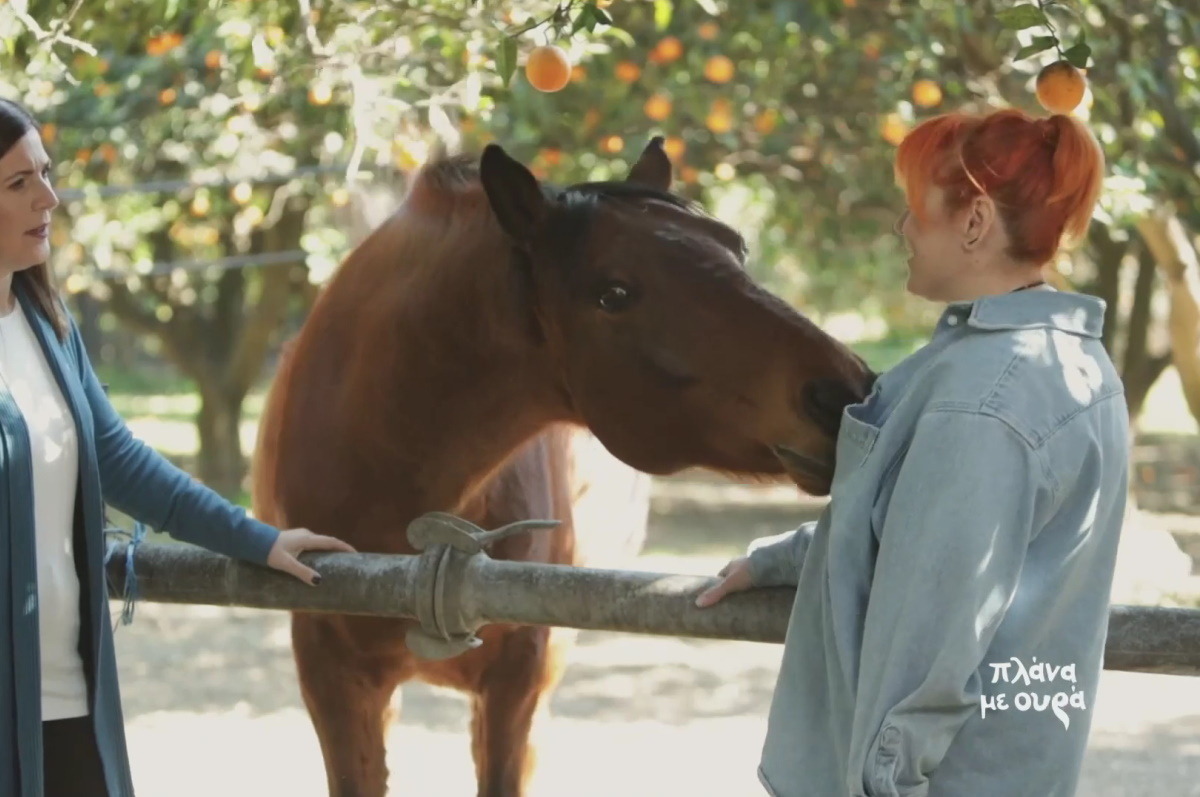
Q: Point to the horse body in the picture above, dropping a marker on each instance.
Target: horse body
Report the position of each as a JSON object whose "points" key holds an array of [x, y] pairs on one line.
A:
{"points": [[442, 368], [363, 433]]}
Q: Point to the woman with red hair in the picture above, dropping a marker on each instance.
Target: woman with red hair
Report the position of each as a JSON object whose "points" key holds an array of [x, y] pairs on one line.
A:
{"points": [[951, 608]]}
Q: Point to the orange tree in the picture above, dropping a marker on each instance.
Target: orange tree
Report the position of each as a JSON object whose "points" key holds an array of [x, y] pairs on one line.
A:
{"points": [[204, 151], [781, 116], [785, 117]]}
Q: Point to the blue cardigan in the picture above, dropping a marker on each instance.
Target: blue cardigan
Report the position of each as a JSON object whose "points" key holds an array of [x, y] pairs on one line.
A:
{"points": [[116, 468]]}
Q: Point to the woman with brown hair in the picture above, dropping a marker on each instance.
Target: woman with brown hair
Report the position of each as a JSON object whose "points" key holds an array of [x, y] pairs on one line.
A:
{"points": [[64, 452]]}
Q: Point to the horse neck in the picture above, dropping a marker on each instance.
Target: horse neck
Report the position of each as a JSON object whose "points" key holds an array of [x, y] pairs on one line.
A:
{"points": [[459, 380]]}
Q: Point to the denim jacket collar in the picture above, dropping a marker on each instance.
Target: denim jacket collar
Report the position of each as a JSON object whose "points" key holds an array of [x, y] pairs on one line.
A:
{"points": [[1046, 308]]}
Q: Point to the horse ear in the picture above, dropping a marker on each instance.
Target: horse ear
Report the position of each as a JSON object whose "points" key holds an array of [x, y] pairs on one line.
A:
{"points": [[653, 167], [512, 191]]}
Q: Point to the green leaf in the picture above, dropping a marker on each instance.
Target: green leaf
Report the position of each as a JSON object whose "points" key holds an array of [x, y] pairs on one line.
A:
{"points": [[506, 63], [1021, 17], [620, 35], [662, 13], [1078, 55], [589, 17], [583, 19], [1038, 44]]}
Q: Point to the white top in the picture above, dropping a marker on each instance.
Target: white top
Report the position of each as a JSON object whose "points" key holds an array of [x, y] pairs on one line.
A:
{"points": [[54, 448]]}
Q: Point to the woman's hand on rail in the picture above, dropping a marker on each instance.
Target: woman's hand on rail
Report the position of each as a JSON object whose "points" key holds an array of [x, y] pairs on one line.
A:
{"points": [[293, 542], [735, 577]]}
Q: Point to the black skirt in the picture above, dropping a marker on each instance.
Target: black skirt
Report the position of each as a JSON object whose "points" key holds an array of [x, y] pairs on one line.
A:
{"points": [[71, 760]]}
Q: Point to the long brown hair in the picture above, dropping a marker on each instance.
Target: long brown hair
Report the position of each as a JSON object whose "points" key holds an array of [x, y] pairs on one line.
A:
{"points": [[15, 123]]}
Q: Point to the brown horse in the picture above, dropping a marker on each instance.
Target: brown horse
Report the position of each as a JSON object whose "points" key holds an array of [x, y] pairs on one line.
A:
{"points": [[448, 365]]}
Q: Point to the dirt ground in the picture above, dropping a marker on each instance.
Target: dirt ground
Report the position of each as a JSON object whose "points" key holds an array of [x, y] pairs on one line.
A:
{"points": [[212, 705]]}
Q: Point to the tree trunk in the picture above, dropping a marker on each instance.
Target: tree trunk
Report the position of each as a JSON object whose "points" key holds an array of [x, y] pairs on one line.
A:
{"points": [[1176, 258], [1140, 368], [1139, 381], [223, 344], [220, 464], [1108, 255]]}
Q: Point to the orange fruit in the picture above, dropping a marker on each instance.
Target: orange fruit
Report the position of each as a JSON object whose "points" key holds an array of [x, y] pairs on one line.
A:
{"points": [[765, 122], [667, 50], [674, 147], [163, 43], [628, 71], [718, 122], [1060, 87], [612, 144], [708, 31], [894, 129], [547, 68], [926, 93], [718, 69], [657, 107]]}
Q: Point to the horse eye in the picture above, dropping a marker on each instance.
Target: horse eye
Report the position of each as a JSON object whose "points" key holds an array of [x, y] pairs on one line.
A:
{"points": [[615, 297]]}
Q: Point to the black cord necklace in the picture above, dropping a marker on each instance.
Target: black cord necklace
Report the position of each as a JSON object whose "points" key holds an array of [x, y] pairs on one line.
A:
{"points": [[1027, 287]]}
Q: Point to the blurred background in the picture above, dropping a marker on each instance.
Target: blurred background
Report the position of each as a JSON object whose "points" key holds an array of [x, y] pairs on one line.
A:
{"points": [[217, 159]]}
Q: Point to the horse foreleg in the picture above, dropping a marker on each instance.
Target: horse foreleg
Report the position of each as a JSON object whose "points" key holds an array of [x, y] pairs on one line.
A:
{"points": [[348, 668], [515, 686]]}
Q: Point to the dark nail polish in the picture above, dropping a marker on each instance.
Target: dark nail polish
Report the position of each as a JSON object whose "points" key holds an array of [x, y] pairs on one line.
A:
{"points": [[316, 579]]}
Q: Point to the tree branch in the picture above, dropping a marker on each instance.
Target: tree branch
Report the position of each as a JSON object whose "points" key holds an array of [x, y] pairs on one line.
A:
{"points": [[1167, 240], [180, 349], [1109, 255], [1138, 325]]}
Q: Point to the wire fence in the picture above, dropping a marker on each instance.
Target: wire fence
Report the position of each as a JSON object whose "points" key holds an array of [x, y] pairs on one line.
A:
{"points": [[173, 186], [253, 260]]}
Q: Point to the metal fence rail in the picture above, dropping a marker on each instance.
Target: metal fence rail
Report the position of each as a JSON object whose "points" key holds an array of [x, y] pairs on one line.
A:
{"points": [[453, 588]]}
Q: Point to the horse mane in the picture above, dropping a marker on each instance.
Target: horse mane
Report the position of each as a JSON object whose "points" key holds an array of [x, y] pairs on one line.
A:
{"points": [[445, 222]]}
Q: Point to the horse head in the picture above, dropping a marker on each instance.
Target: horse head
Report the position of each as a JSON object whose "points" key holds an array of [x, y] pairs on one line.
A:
{"points": [[661, 341]]}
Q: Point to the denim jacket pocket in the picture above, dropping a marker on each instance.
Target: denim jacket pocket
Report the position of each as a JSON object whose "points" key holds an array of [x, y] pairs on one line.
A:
{"points": [[855, 440]]}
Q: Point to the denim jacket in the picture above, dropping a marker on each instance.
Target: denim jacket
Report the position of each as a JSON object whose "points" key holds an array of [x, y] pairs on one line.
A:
{"points": [[952, 600]]}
